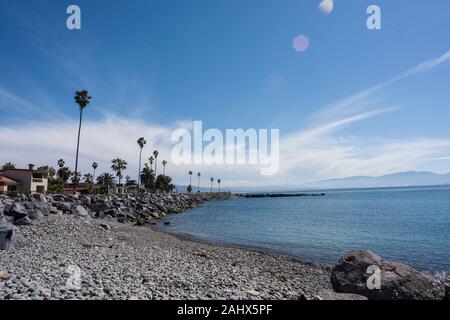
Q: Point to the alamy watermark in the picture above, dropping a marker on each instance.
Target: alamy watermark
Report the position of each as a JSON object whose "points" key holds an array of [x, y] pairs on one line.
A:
{"points": [[73, 21], [373, 22], [74, 280], [374, 280], [233, 147]]}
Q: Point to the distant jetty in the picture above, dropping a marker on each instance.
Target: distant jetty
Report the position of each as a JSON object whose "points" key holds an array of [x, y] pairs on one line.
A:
{"points": [[279, 195]]}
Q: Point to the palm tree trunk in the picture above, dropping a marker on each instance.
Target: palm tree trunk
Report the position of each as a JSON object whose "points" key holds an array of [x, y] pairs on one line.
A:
{"points": [[190, 181], [76, 157], [198, 184], [211, 187], [93, 177], [156, 162], [164, 171], [139, 173]]}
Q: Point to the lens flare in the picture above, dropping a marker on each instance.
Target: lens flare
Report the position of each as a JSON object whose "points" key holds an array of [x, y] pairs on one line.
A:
{"points": [[300, 43], [326, 6]]}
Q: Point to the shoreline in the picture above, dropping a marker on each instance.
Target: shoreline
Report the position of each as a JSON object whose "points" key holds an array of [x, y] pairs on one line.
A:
{"points": [[136, 262], [104, 248], [110, 241], [261, 250]]}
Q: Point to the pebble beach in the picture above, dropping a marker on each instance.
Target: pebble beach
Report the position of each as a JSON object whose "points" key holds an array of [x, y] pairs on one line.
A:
{"points": [[122, 261]]}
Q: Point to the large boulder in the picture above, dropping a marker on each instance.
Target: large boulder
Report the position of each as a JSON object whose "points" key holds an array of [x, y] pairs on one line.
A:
{"points": [[63, 206], [39, 197], [44, 207], [25, 221], [7, 234], [18, 211], [35, 215], [86, 200], [397, 281], [447, 290], [80, 211]]}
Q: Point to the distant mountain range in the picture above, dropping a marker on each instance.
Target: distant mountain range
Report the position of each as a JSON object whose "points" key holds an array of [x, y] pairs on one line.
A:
{"points": [[400, 179]]}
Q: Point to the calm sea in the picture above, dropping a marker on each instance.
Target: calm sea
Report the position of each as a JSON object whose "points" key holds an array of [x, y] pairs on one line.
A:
{"points": [[410, 225]]}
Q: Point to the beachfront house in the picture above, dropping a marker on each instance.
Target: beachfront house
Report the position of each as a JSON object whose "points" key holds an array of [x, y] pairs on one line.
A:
{"points": [[23, 180], [7, 185]]}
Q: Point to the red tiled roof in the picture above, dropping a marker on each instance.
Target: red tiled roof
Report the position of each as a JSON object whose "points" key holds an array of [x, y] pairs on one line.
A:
{"points": [[4, 179]]}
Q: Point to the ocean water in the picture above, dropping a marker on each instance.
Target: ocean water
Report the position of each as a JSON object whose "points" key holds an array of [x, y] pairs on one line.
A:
{"points": [[410, 225]]}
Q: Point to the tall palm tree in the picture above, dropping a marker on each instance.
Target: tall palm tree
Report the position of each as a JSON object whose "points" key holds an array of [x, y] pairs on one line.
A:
{"points": [[212, 181], [151, 160], [218, 182], [155, 155], [82, 98], [147, 177], [118, 166], [43, 168], [199, 175], [94, 166], [190, 177], [63, 172], [51, 172], [76, 178], [61, 163], [88, 178], [141, 143], [106, 180], [9, 165], [164, 163]]}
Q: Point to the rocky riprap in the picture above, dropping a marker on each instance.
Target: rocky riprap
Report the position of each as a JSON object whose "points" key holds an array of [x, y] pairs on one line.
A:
{"points": [[122, 261], [279, 195], [134, 208]]}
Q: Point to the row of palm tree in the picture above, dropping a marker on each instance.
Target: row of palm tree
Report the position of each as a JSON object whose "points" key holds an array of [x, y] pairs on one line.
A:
{"points": [[119, 166], [83, 99], [9, 165], [199, 174], [64, 174], [149, 178]]}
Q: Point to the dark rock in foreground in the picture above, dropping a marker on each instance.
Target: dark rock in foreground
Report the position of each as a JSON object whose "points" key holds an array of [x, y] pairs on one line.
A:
{"points": [[447, 291], [397, 281], [7, 234]]}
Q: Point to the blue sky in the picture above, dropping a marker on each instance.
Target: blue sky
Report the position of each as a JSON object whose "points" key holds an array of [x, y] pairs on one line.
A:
{"points": [[150, 65]]}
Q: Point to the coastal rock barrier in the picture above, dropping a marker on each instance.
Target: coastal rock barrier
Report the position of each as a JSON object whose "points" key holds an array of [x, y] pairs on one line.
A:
{"points": [[279, 195], [129, 208]]}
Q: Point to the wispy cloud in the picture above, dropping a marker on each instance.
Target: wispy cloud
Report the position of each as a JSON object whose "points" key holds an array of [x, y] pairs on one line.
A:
{"points": [[23, 109], [321, 156], [313, 153], [427, 65], [361, 99], [337, 124], [12, 103]]}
